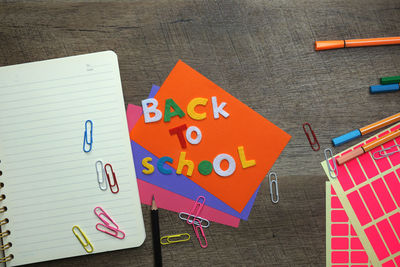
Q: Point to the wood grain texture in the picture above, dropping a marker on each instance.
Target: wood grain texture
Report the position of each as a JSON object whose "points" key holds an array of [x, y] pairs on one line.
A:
{"points": [[261, 52]]}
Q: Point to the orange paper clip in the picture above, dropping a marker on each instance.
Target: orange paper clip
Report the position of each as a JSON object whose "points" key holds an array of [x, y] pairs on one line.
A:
{"points": [[115, 183], [195, 211], [314, 142], [196, 228]]}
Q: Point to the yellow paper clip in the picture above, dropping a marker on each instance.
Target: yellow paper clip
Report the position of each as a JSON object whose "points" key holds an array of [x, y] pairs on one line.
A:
{"points": [[85, 244], [170, 239]]}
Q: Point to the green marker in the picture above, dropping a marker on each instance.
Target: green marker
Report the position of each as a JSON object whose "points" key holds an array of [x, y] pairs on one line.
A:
{"points": [[390, 80]]}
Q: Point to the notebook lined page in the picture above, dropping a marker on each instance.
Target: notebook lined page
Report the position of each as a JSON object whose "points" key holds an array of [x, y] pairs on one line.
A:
{"points": [[50, 183]]}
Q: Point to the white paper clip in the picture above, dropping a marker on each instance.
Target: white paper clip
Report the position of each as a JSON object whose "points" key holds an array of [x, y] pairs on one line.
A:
{"points": [[273, 182], [101, 175], [196, 222], [383, 154], [329, 154]]}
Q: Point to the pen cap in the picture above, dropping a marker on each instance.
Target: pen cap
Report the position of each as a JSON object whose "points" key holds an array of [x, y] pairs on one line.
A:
{"points": [[374, 89], [326, 45], [390, 80]]}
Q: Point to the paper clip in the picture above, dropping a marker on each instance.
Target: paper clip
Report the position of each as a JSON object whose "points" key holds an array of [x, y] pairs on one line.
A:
{"points": [[101, 175], [382, 153], [195, 211], [273, 182], [170, 239], [111, 227], [88, 141], [329, 154], [85, 243], [313, 143], [199, 219], [115, 183], [196, 228]]}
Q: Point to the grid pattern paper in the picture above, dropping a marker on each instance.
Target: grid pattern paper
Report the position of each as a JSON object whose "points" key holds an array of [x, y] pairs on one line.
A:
{"points": [[343, 247], [369, 191]]}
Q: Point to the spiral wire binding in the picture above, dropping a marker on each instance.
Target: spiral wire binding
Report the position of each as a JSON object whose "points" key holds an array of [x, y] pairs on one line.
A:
{"points": [[4, 247]]}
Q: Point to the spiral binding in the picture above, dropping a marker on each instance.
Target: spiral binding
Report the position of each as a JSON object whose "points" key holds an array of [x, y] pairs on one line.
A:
{"points": [[4, 247]]}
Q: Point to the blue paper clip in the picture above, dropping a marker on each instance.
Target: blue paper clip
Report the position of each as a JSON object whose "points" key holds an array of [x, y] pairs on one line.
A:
{"points": [[86, 140]]}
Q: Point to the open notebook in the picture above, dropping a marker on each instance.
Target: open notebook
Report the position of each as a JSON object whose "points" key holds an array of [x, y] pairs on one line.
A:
{"points": [[50, 183]]}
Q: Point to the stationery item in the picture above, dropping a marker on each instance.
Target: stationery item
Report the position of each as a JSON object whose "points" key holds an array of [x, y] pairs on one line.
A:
{"points": [[113, 184], [83, 239], [367, 147], [101, 175], [48, 181], [155, 230], [333, 44], [111, 226], [387, 88], [385, 152], [185, 217], [88, 137], [227, 151], [314, 144], [273, 187], [343, 247], [365, 130], [198, 228], [369, 192], [174, 202], [390, 80], [195, 210], [332, 169], [175, 183], [171, 239]]}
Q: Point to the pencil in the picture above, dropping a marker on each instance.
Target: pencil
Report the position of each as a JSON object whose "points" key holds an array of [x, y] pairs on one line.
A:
{"points": [[156, 234], [337, 141], [367, 147], [333, 44]]}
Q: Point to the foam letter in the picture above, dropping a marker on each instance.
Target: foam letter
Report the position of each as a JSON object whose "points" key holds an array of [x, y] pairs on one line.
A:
{"points": [[179, 132], [152, 109], [185, 162], [205, 167], [170, 103], [217, 165], [218, 109], [242, 156], [146, 164], [189, 135], [160, 165], [192, 105]]}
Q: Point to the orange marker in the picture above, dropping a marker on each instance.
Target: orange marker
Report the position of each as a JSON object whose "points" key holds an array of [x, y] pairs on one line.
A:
{"points": [[333, 44], [367, 147]]}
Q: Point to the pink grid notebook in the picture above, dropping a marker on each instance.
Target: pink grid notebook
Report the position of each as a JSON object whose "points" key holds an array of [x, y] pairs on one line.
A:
{"points": [[369, 191], [343, 247]]}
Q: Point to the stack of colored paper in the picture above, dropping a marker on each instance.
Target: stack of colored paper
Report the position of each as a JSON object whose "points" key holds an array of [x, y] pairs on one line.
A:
{"points": [[191, 138], [363, 207]]}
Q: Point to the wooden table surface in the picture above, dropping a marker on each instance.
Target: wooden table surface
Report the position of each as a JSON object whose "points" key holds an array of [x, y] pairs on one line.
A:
{"points": [[260, 51]]}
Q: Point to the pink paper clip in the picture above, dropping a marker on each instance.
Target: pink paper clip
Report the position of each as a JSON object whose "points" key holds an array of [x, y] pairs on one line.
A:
{"points": [[109, 224], [196, 228], [313, 143], [115, 183], [195, 211]]}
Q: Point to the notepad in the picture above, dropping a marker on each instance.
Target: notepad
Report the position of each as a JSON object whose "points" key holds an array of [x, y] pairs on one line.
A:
{"points": [[50, 183], [369, 191]]}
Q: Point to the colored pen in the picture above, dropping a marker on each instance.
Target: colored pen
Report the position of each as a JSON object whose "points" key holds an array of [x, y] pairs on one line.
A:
{"points": [[156, 234], [337, 141], [367, 147], [333, 44]]}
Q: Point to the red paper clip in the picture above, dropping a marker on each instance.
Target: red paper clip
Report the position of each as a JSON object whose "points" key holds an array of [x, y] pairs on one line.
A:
{"points": [[115, 183], [195, 211], [313, 143], [196, 228]]}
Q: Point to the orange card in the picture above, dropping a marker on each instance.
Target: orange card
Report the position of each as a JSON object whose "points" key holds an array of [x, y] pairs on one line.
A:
{"points": [[225, 148]]}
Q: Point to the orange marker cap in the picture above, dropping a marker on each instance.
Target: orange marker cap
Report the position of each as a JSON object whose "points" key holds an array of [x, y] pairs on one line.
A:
{"points": [[326, 45]]}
